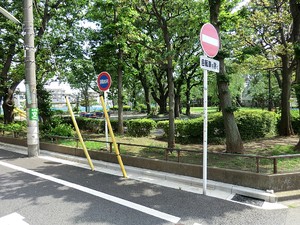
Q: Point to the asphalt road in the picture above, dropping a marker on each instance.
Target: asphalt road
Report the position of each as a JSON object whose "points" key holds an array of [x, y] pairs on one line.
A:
{"points": [[35, 191]]}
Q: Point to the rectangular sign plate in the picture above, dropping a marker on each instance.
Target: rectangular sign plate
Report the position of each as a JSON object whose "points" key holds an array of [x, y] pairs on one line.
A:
{"points": [[209, 64], [34, 114]]}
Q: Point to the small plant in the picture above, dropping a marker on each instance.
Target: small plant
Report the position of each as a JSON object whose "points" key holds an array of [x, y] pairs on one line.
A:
{"points": [[64, 130], [15, 128]]}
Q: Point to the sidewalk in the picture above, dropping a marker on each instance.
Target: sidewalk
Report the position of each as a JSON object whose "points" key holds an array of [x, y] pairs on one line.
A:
{"points": [[190, 184]]}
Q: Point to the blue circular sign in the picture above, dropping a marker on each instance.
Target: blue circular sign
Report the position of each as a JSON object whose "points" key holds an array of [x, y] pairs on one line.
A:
{"points": [[104, 81]]}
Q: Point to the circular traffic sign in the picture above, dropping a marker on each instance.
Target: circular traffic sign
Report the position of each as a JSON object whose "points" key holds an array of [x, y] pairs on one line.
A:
{"points": [[209, 39], [104, 81]]}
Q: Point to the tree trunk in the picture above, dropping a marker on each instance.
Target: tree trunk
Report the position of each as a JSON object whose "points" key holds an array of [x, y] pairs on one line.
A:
{"points": [[161, 100], [233, 138], [177, 105], [178, 85], [171, 139], [285, 125], [8, 107], [188, 97], [234, 142]]}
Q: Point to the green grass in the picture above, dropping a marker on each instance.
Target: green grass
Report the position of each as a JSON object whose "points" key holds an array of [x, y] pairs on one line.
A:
{"points": [[214, 160]]}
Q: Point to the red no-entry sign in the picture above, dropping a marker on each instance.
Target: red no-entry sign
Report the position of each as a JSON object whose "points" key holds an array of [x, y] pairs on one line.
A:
{"points": [[209, 39], [104, 81]]}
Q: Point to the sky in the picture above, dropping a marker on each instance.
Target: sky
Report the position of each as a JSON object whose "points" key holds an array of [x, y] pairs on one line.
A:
{"points": [[53, 85]]}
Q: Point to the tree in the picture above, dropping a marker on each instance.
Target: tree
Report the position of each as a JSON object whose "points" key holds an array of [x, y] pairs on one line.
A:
{"points": [[109, 44], [11, 58], [295, 38], [233, 139], [53, 22], [270, 21]]}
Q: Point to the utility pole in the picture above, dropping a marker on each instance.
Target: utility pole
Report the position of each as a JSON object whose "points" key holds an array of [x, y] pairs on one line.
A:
{"points": [[30, 82]]}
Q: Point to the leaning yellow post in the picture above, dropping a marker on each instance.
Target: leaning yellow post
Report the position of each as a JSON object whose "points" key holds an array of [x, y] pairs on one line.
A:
{"points": [[79, 135], [113, 137]]}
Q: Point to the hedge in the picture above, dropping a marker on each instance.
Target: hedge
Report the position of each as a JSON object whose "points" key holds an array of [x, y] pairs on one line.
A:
{"points": [[256, 124], [140, 127], [251, 124]]}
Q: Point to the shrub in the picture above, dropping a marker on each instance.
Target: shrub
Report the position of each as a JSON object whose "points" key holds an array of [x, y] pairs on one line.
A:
{"points": [[126, 108], [251, 124], [141, 108], [58, 112], [140, 127], [163, 125], [89, 124], [256, 124], [15, 128], [64, 130]]}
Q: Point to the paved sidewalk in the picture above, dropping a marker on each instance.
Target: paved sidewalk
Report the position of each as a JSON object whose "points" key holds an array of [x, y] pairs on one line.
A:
{"points": [[185, 183]]}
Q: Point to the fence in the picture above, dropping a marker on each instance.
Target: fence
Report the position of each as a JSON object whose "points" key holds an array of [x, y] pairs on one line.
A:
{"points": [[253, 163]]}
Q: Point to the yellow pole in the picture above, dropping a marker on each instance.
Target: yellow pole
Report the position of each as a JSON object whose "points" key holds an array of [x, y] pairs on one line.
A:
{"points": [[79, 135], [113, 138]]}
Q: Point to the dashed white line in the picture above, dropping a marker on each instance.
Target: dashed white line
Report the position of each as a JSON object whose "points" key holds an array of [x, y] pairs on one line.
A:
{"points": [[120, 201], [13, 218]]}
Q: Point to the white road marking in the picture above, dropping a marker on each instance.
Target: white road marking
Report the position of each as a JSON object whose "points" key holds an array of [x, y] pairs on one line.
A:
{"points": [[13, 219], [210, 40], [120, 201]]}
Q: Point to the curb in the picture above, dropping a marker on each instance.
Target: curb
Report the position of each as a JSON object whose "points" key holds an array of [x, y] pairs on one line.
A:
{"points": [[175, 181], [288, 195], [183, 181]]}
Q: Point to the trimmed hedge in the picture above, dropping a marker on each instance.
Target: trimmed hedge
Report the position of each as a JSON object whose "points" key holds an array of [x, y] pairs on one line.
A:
{"points": [[251, 124], [92, 124], [140, 127], [256, 124]]}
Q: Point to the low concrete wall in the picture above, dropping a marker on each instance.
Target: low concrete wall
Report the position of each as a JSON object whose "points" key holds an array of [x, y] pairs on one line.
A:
{"points": [[276, 182]]}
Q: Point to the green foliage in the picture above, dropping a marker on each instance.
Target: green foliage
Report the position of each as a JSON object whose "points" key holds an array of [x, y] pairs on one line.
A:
{"points": [[64, 130], [256, 124], [57, 126], [295, 119], [58, 112], [15, 127], [297, 50], [141, 108], [88, 124], [252, 124], [140, 127], [126, 108], [154, 111], [45, 103]]}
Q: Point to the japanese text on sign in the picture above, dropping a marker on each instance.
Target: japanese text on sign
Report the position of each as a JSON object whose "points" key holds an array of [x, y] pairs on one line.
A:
{"points": [[209, 64]]}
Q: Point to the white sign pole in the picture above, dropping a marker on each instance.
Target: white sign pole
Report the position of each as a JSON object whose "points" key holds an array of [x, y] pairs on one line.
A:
{"points": [[204, 166], [210, 42], [106, 129]]}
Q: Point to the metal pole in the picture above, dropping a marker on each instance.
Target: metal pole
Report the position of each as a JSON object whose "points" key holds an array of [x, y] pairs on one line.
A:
{"points": [[30, 82], [106, 129], [204, 132]]}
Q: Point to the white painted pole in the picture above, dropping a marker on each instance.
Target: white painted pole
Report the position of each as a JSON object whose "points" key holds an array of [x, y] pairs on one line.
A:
{"points": [[106, 129], [204, 131]]}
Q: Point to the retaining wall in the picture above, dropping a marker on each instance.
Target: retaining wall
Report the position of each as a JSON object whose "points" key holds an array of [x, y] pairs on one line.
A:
{"points": [[276, 182]]}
